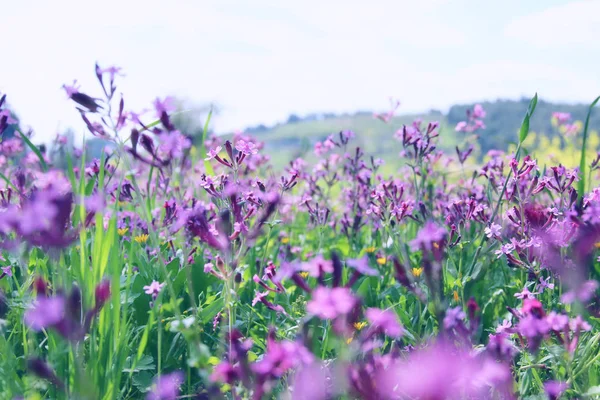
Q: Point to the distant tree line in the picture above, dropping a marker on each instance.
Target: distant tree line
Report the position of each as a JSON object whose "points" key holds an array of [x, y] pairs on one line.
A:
{"points": [[504, 117]]}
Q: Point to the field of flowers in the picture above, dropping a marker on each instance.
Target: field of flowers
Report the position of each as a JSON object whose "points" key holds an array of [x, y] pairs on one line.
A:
{"points": [[167, 270]]}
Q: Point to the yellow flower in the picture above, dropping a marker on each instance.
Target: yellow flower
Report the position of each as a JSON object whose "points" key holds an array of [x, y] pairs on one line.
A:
{"points": [[143, 238], [381, 260], [122, 203], [436, 245], [456, 298], [359, 325], [370, 249], [597, 245], [417, 272], [349, 340], [285, 240], [122, 231], [303, 274]]}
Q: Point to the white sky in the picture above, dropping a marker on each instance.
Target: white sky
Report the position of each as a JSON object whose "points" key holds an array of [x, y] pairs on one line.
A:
{"points": [[261, 60]]}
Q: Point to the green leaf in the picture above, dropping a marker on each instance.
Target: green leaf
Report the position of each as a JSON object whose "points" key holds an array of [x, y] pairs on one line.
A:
{"points": [[208, 313], [146, 363], [581, 183], [524, 131], [8, 182], [34, 148], [207, 166]]}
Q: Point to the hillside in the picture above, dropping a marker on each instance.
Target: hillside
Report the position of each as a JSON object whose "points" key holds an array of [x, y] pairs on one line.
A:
{"points": [[297, 136], [292, 139]]}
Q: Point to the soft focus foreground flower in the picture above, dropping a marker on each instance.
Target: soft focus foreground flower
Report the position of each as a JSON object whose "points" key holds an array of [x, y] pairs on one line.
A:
{"points": [[329, 303], [166, 387], [45, 312], [555, 389], [440, 372], [385, 320], [311, 382], [361, 265]]}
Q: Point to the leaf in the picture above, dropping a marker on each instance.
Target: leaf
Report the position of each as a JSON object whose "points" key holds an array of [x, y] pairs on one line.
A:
{"points": [[524, 131], [8, 182], [146, 363], [34, 148], [581, 183], [144, 340], [142, 381], [207, 166], [208, 313]]}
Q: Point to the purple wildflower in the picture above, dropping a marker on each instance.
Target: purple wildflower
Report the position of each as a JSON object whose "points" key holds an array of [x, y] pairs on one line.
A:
{"points": [[212, 153], [385, 320], [166, 387], [557, 322], [429, 235], [329, 303], [442, 372], [247, 148], [154, 288], [45, 312], [454, 317], [165, 105], [525, 294], [555, 389], [584, 293], [493, 231], [362, 265]]}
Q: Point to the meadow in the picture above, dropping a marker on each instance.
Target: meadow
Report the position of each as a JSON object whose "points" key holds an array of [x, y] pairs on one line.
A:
{"points": [[171, 270]]}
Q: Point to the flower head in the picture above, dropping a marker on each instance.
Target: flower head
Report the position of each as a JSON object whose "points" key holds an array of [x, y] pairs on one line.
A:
{"points": [[166, 387], [386, 321], [429, 235], [329, 303], [45, 312], [154, 288]]}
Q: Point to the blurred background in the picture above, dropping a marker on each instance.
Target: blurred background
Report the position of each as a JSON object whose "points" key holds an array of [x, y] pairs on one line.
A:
{"points": [[293, 73]]}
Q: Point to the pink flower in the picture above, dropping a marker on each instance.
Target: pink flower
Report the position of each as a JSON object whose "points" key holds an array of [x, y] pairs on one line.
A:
{"points": [[112, 71], [245, 147], [166, 387], [493, 231], [385, 320], [45, 312], [166, 105], [71, 89], [329, 303], [441, 371], [213, 153], [478, 111], [154, 288], [561, 117], [428, 235]]}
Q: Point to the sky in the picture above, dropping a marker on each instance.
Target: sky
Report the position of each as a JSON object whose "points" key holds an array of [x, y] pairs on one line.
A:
{"points": [[262, 60]]}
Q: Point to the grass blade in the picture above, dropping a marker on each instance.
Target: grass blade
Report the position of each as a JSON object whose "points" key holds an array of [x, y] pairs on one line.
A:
{"points": [[581, 183], [207, 166], [34, 148], [524, 131], [8, 182]]}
